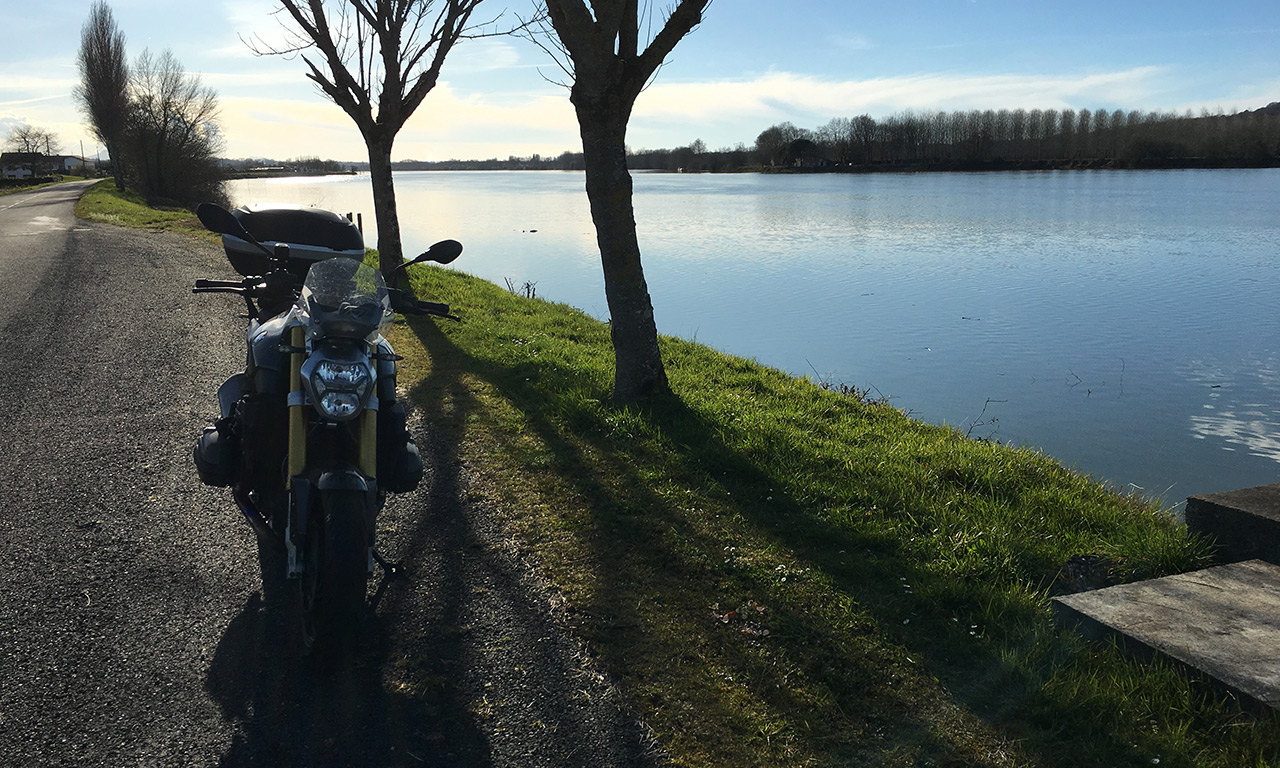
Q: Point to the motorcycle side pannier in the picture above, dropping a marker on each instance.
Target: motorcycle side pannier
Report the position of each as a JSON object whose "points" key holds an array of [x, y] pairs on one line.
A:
{"points": [[311, 234], [217, 455], [399, 462]]}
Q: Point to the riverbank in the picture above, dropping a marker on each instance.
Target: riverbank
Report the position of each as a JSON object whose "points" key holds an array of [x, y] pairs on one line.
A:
{"points": [[782, 575], [776, 574], [104, 203], [283, 173]]}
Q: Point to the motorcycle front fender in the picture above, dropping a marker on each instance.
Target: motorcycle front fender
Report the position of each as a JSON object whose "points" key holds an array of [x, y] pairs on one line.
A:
{"points": [[351, 481], [343, 480]]}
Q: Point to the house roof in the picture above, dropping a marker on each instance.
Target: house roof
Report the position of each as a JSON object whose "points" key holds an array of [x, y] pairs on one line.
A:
{"points": [[20, 157]]}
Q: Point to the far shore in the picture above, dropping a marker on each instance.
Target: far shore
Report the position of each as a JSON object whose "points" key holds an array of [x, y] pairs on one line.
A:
{"points": [[932, 166]]}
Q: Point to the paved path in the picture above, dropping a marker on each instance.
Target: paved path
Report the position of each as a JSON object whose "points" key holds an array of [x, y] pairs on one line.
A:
{"points": [[131, 631], [33, 227]]}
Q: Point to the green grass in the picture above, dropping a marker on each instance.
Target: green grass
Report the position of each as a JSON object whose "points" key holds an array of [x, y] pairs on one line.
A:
{"points": [[104, 203], [777, 574]]}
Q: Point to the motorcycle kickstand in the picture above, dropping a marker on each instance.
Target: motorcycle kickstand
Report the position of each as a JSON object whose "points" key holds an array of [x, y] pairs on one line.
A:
{"points": [[393, 570]]}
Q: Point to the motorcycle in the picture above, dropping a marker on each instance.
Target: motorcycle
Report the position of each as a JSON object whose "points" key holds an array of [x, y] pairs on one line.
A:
{"points": [[311, 437]]}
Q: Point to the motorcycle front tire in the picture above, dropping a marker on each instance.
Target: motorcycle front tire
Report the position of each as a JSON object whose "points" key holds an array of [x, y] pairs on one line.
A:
{"points": [[337, 568]]}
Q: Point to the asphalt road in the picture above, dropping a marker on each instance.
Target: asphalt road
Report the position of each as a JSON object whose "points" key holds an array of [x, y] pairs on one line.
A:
{"points": [[131, 627]]}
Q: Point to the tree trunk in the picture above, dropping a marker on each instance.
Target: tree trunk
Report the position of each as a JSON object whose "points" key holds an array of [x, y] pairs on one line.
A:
{"points": [[117, 167], [639, 372], [390, 253]]}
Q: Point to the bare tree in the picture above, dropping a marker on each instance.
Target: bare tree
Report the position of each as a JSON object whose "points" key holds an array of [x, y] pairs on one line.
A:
{"points": [[1018, 127], [1084, 141], [772, 143], [864, 136], [31, 140], [35, 141], [172, 137], [103, 92], [1101, 133], [600, 48], [836, 138], [377, 60]]}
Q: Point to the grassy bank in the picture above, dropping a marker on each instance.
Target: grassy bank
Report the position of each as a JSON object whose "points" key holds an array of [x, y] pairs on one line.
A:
{"points": [[779, 575], [782, 575], [104, 203]]}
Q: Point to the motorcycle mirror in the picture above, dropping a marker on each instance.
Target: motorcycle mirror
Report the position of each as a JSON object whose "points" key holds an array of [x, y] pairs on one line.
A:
{"points": [[215, 218], [442, 252], [445, 251]]}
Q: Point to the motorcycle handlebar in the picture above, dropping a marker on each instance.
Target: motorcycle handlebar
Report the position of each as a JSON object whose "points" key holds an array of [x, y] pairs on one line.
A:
{"points": [[203, 283], [399, 301], [433, 308], [407, 305]]}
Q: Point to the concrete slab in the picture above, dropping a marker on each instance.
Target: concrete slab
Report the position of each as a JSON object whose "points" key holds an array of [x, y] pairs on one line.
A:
{"points": [[1222, 623], [1246, 523]]}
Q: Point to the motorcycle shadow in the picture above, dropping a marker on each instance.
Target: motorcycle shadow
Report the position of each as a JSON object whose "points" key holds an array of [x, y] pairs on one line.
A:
{"points": [[324, 711]]}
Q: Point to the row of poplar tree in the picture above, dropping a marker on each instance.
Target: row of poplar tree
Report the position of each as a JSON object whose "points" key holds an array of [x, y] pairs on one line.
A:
{"points": [[1026, 135]]}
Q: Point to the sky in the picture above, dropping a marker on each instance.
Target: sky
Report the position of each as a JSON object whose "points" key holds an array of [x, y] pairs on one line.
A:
{"points": [[750, 65]]}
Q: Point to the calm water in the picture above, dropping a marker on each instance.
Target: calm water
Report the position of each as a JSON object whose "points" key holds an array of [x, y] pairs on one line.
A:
{"points": [[1126, 323]]}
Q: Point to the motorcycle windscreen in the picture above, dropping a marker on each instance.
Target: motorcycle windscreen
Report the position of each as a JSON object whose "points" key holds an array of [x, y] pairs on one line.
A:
{"points": [[344, 299]]}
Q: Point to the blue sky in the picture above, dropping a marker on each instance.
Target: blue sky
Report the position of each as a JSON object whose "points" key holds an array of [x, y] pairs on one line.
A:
{"points": [[751, 64]]}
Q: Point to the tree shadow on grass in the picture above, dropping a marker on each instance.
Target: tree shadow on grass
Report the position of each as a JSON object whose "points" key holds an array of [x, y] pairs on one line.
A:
{"points": [[545, 702], [854, 701]]}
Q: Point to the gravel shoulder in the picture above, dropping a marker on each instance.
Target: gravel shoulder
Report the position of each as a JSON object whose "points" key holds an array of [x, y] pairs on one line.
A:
{"points": [[132, 631]]}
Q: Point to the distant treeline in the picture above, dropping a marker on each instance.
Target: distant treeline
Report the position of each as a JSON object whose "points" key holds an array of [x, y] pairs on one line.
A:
{"points": [[299, 166], [974, 139], [694, 157], [959, 140], [1050, 137]]}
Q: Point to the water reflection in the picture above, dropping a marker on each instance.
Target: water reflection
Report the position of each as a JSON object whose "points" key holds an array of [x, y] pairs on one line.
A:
{"points": [[1232, 417], [1260, 436]]}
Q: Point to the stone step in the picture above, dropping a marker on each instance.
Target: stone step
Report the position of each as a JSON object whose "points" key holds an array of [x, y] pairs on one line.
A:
{"points": [[1245, 523], [1221, 624]]}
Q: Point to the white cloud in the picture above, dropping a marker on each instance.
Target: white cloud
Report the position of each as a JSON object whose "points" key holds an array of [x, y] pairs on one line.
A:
{"points": [[456, 123], [448, 125], [30, 79], [27, 102], [260, 21], [729, 111], [234, 81], [785, 95], [483, 55]]}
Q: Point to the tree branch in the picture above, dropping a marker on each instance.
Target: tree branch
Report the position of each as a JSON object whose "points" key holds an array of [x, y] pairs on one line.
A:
{"points": [[577, 31], [629, 30], [683, 19]]}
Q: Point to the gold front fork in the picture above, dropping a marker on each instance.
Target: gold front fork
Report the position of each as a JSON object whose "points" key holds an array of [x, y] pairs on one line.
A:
{"points": [[297, 416], [369, 440], [298, 420], [369, 444]]}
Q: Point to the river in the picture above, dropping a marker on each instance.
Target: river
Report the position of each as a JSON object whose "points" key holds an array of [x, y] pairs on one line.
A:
{"points": [[1123, 322]]}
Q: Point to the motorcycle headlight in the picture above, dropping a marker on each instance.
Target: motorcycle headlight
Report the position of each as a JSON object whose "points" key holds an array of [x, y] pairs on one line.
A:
{"points": [[339, 389]]}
